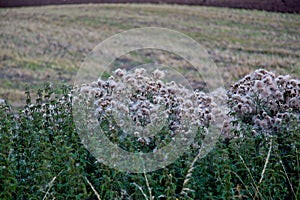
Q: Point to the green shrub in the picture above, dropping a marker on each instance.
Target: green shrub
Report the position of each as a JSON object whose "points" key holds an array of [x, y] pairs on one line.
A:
{"points": [[42, 157]]}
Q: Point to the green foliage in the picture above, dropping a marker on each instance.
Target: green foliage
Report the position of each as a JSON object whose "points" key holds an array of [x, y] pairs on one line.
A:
{"points": [[41, 157]]}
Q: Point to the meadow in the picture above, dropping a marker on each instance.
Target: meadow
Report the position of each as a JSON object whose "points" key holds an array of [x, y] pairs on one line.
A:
{"points": [[49, 43], [41, 153]]}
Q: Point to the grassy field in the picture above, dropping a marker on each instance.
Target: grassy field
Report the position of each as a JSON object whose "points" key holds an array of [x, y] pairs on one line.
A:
{"points": [[48, 43]]}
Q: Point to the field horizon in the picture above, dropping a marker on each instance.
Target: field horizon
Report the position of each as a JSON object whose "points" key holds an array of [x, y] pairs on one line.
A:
{"points": [[49, 43], [286, 6]]}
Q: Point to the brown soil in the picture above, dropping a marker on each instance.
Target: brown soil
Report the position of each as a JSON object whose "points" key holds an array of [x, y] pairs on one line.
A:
{"points": [[290, 6]]}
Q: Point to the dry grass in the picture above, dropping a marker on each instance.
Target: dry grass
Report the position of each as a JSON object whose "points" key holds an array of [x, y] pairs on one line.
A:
{"points": [[49, 43]]}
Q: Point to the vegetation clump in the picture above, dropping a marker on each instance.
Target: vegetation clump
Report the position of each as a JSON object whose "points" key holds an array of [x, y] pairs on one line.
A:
{"points": [[147, 109], [42, 156], [265, 101]]}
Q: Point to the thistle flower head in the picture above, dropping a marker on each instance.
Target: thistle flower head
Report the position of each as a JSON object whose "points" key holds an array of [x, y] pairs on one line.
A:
{"points": [[267, 97]]}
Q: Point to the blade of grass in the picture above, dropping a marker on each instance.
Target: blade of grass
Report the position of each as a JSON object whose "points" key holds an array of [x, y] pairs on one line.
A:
{"points": [[94, 190], [141, 189], [241, 181], [50, 184], [288, 179], [255, 186], [148, 186], [266, 162]]}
